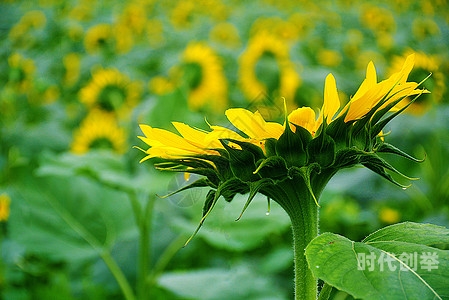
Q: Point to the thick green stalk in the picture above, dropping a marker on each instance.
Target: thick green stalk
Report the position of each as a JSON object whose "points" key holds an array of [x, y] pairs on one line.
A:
{"points": [[299, 204], [304, 220], [303, 233]]}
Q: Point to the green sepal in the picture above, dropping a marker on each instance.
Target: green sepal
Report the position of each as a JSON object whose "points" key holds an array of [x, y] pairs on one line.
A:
{"points": [[379, 166], [253, 149], [254, 188], [202, 182], [242, 162], [321, 149], [221, 163], [346, 158], [380, 124], [305, 173], [270, 147], [232, 187], [292, 145], [388, 148], [177, 166], [338, 130], [273, 167]]}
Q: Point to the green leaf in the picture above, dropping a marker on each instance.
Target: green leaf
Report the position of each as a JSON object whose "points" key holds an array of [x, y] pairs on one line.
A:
{"points": [[103, 166], [396, 262], [240, 282], [69, 218]]}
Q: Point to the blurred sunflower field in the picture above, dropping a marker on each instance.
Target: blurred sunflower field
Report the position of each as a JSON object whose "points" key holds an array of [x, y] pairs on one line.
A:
{"points": [[80, 218]]}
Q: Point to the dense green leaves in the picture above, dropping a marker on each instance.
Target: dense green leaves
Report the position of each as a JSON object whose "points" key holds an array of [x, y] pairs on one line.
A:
{"points": [[396, 262]]}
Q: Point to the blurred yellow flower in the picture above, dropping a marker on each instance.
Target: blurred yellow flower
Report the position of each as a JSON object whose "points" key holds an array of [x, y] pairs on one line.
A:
{"points": [[108, 38], [155, 33], [378, 19], [423, 28], [282, 29], [389, 215], [21, 71], [72, 65], [33, 19], [134, 17], [202, 70], [98, 37], [99, 130], [160, 85], [5, 201], [111, 91], [225, 34], [282, 82], [182, 14], [329, 58]]}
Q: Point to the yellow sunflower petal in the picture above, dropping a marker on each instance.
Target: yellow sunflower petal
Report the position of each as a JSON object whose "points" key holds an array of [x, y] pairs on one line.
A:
{"points": [[331, 100], [304, 117], [253, 124]]}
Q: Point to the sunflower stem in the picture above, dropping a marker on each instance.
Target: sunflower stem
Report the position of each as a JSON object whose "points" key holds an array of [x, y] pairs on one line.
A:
{"points": [[303, 212], [304, 229]]}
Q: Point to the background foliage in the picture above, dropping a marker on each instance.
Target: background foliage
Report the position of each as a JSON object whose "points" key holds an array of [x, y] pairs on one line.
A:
{"points": [[76, 79]]}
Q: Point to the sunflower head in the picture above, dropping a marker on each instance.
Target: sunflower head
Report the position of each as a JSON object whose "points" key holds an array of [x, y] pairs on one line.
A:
{"points": [[99, 130], [295, 158], [21, 71], [265, 68], [99, 37], [110, 91], [202, 73]]}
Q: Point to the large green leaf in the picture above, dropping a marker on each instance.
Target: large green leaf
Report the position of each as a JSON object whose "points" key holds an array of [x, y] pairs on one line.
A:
{"points": [[240, 282], [108, 168], [401, 261], [69, 218]]}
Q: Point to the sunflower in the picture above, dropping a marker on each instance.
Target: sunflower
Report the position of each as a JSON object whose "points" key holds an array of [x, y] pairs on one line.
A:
{"points": [[108, 38], [378, 19], [21, 71], [98, 37], [226, 34], [20, 32], [72, 65], [202, 71], [286, 30], [99, 130], [268, 56], [111, 91], [182, 14], [134, 17], [424, 65]]}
